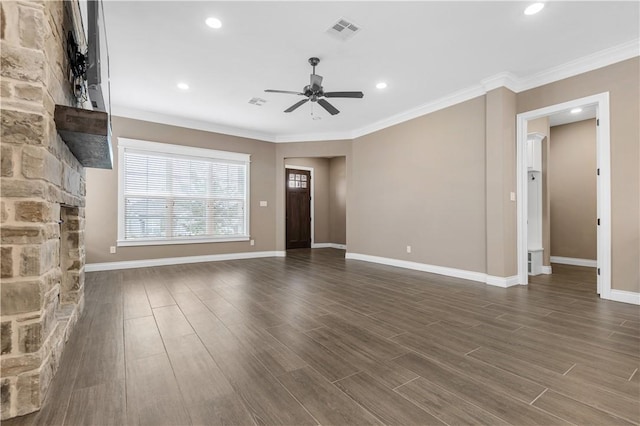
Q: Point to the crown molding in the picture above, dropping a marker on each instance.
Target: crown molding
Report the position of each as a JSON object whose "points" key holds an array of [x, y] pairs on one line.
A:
{"points": [[314, 137], [506, 79], [503, 79], [600, 59], [189, 123], [444, 102]]}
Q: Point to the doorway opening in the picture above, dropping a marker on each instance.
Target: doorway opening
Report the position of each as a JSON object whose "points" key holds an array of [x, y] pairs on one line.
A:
{"points": [[298, 214], [315, 202], [528, 191]]}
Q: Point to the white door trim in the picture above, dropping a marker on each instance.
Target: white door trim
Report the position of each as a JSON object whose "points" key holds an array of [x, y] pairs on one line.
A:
{"points": [[603, 154], [313, 197]]}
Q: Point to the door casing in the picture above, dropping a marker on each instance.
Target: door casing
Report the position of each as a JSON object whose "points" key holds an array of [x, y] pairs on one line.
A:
{"points": [[603, 163]]}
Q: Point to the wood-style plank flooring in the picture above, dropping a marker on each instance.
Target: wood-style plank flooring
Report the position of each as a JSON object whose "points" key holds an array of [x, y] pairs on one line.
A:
{"points": [[315, 339]]}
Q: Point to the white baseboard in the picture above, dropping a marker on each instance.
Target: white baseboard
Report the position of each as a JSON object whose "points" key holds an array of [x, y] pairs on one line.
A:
{"points": [[329, 245], [623, 296], [145, 263], [440, 270], [574, 261], [502, 281], [546, 270]]}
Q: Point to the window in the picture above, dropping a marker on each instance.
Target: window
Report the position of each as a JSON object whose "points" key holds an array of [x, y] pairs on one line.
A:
{"points": [[172, 194]]}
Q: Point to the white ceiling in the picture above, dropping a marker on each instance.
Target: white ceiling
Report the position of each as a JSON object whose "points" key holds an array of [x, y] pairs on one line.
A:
{"points": [[425, 51], [566, 117]]}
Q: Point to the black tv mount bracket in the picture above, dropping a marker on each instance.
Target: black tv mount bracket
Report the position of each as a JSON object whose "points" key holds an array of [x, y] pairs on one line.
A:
{"points": [[77, 60]]}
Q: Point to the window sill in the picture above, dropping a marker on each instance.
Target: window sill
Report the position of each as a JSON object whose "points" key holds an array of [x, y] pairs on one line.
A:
{"points": [[167, 242]]}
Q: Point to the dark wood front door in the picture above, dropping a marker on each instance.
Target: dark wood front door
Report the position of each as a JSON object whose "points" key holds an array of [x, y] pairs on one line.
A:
{"points": [[298, 184]]}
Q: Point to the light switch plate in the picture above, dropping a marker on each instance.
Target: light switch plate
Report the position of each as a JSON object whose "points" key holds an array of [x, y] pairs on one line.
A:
{"points": [[263, 204], [512, 196]]}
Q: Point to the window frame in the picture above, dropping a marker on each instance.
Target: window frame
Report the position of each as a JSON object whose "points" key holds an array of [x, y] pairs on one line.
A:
{"points": [[183, 151]]}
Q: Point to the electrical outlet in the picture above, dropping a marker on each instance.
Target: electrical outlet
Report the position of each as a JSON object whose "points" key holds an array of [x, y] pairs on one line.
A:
{"points": [[112, 249], [512, 196], [252, 242], [408, 249]]}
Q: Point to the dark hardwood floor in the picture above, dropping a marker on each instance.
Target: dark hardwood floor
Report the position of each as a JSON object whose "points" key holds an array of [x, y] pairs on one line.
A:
{"points": [[315, 339]]}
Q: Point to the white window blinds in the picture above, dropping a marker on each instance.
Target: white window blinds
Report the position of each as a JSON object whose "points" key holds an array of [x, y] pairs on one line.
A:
{"points": [[176, 193]]}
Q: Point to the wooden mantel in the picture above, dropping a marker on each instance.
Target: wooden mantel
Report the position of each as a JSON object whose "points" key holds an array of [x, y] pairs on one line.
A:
{"points": [[87, 133]]}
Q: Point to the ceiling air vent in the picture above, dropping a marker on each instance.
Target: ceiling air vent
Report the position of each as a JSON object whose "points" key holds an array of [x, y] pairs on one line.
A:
{"points": [[257, 101], [343, 29]]}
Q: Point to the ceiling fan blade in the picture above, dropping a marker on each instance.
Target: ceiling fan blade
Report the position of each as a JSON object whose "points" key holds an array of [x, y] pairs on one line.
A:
{"points": [[289, 92], [330, 108], [343, 94], [316, 81], [296, 105]]}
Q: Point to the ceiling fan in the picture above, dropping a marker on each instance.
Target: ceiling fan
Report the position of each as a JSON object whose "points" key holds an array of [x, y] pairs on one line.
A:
{"points": [[315, 92]]}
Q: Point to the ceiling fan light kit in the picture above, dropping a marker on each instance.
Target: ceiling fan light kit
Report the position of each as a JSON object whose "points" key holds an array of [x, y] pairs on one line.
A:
{"points": [[314, 92]]}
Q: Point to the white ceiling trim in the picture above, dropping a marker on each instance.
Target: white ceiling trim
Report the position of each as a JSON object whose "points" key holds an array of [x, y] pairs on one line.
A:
{"points": [[442, 103], [313, 137], [587, 63], [503, 79], [173, 120]]}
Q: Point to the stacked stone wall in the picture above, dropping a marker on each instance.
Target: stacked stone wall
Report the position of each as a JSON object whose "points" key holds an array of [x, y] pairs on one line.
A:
{"points": [[42, 192]]}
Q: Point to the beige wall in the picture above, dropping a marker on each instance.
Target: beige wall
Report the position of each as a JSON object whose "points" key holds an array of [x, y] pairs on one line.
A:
{"points": [[321, 190], [102, 190], [622, 82], [429, 182], [541, 125], [338, 200], [500, 181], [422, 183], [572, 185]]}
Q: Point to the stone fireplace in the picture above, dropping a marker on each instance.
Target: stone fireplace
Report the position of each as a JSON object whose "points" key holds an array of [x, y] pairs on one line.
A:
{"points": [[42, 206]]}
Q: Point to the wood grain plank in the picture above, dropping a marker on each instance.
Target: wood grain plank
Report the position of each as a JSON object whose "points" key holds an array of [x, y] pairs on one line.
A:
{"points": [[316, 394], [389, 373], [142, 338], [157, 293], [153, 396], [444, 336], [103, 357], [275, 356], [103, 404], [575, 411], [388, 406], [212, 343], [313, 353], [374, 325], [628, 388], [266, 400], [136, 302], [204, 388], [172, 322], [497, 403], [374, 345], [445, 405], [587, 393], [500, 380]]}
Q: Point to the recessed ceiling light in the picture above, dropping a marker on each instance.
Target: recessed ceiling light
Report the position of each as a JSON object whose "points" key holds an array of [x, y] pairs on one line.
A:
{"points": [[534, 8], [183, 86], [213, 22], [381, 85], [576, 110]]}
